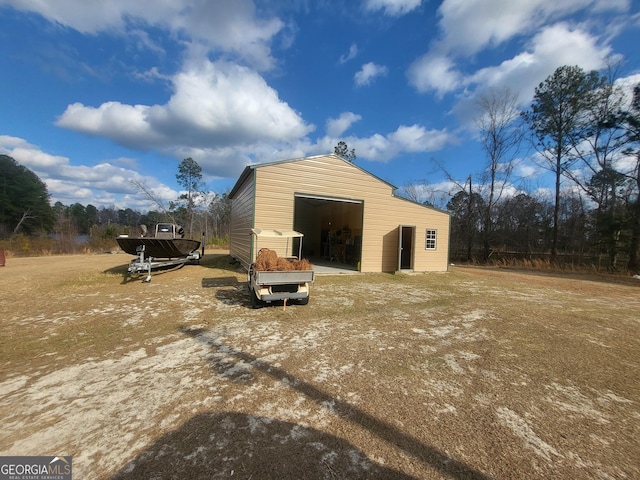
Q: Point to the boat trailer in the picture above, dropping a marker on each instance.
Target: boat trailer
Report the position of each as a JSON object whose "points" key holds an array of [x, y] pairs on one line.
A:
{"points": [[142, 263]]}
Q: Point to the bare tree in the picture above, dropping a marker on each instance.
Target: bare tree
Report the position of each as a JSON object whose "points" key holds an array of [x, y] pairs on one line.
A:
{"points": [[143, 188], [465, 207], [25, 216], [501, 135], [412, 191]]}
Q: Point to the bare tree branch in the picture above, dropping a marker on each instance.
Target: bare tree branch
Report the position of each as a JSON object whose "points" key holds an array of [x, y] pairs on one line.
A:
{"points": [[25, 216], [142, 187]]}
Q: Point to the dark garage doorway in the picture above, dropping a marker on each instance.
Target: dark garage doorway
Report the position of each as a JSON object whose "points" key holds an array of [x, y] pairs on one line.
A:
{"points": [[332, 229]]}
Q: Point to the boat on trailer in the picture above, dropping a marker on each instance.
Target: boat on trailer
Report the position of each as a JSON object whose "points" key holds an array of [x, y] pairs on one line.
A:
{"points": [[166, 248]]}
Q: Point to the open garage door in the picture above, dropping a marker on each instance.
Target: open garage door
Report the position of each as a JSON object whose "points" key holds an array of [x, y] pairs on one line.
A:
{"points": [[332, 228]]}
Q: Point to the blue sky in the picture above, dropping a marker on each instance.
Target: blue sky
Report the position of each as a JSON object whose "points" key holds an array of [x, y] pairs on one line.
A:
{"points": [[94, 95]]}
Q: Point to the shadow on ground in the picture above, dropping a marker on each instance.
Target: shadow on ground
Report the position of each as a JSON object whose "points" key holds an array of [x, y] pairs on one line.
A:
{"points": [[235, 445], [222, 261], [302, 455], [217, 282], [139, 276]]}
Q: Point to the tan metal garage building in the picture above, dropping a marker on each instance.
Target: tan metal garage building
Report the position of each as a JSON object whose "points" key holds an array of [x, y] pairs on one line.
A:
{"points": [[347, 215]]}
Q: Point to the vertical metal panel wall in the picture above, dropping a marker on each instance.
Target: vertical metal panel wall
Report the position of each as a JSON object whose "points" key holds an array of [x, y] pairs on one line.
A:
{"points": [[276, 185], [242, 206]]}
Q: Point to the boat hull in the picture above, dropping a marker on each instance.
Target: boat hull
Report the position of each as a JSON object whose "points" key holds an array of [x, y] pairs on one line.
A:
{"points": [[159, 247]]}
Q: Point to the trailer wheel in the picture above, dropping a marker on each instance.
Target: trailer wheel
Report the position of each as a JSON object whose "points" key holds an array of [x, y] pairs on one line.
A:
{"points": [[303, 301]]}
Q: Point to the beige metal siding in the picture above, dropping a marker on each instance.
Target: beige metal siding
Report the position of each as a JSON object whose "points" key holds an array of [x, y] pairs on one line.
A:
{"points": [[383, 216], [284, 247], [242, 222], [422, 218], [276, 184]]}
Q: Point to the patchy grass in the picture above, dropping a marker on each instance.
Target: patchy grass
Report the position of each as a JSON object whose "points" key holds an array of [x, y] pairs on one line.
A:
{"points": [[476, 373]]}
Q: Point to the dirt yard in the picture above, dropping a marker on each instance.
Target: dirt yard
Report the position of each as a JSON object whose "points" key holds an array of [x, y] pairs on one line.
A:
{"points": [[470, 374]]}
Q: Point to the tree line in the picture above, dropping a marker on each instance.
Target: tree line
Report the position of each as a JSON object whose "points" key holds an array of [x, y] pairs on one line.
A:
{"points": [[25, 210], [583, 129]]}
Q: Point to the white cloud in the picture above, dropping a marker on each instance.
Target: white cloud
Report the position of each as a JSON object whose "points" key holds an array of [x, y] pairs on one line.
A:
{"points": [[125, 124], [627, 84], [337, 126], [31, 156], [393, 7], [437, 194], [405, 139], [151, 75], [375, 148], [471, 26], [143, 41], [231, 27], [552, 47], [434, 72], [368, 73], [527, 170], [468, 26], [214, 105], [353, 53], [104, 184], [416, 138]]}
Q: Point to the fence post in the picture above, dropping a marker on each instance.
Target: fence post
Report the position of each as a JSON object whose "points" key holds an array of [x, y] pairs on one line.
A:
{"points": [[2, 260]]}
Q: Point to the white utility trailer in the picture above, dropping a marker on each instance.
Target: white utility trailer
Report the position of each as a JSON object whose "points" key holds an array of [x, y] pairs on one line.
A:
{"points": [[266, 287]]}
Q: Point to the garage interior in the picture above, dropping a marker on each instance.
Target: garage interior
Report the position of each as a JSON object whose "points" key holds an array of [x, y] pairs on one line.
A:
{"points": [[332, 229]]}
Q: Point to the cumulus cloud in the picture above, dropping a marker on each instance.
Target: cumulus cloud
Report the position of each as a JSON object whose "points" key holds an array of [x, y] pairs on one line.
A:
{"points": [[105, 183], [375, 148], [405, 139], [434, 72], [230, 27], [368, 73], [472, 26], [233, 27], [337, 126], [415, 138], [483, 23], [393, 8], [125, 124], [214, 105], [31, 156], [551, 48]]}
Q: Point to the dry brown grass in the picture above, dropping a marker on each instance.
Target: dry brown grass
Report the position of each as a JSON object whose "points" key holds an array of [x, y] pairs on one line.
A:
{"points": [[476, 373], [597, 266]]}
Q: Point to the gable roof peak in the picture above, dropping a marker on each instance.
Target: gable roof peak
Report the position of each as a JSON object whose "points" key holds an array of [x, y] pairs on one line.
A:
{"points": [[250, 168]]}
